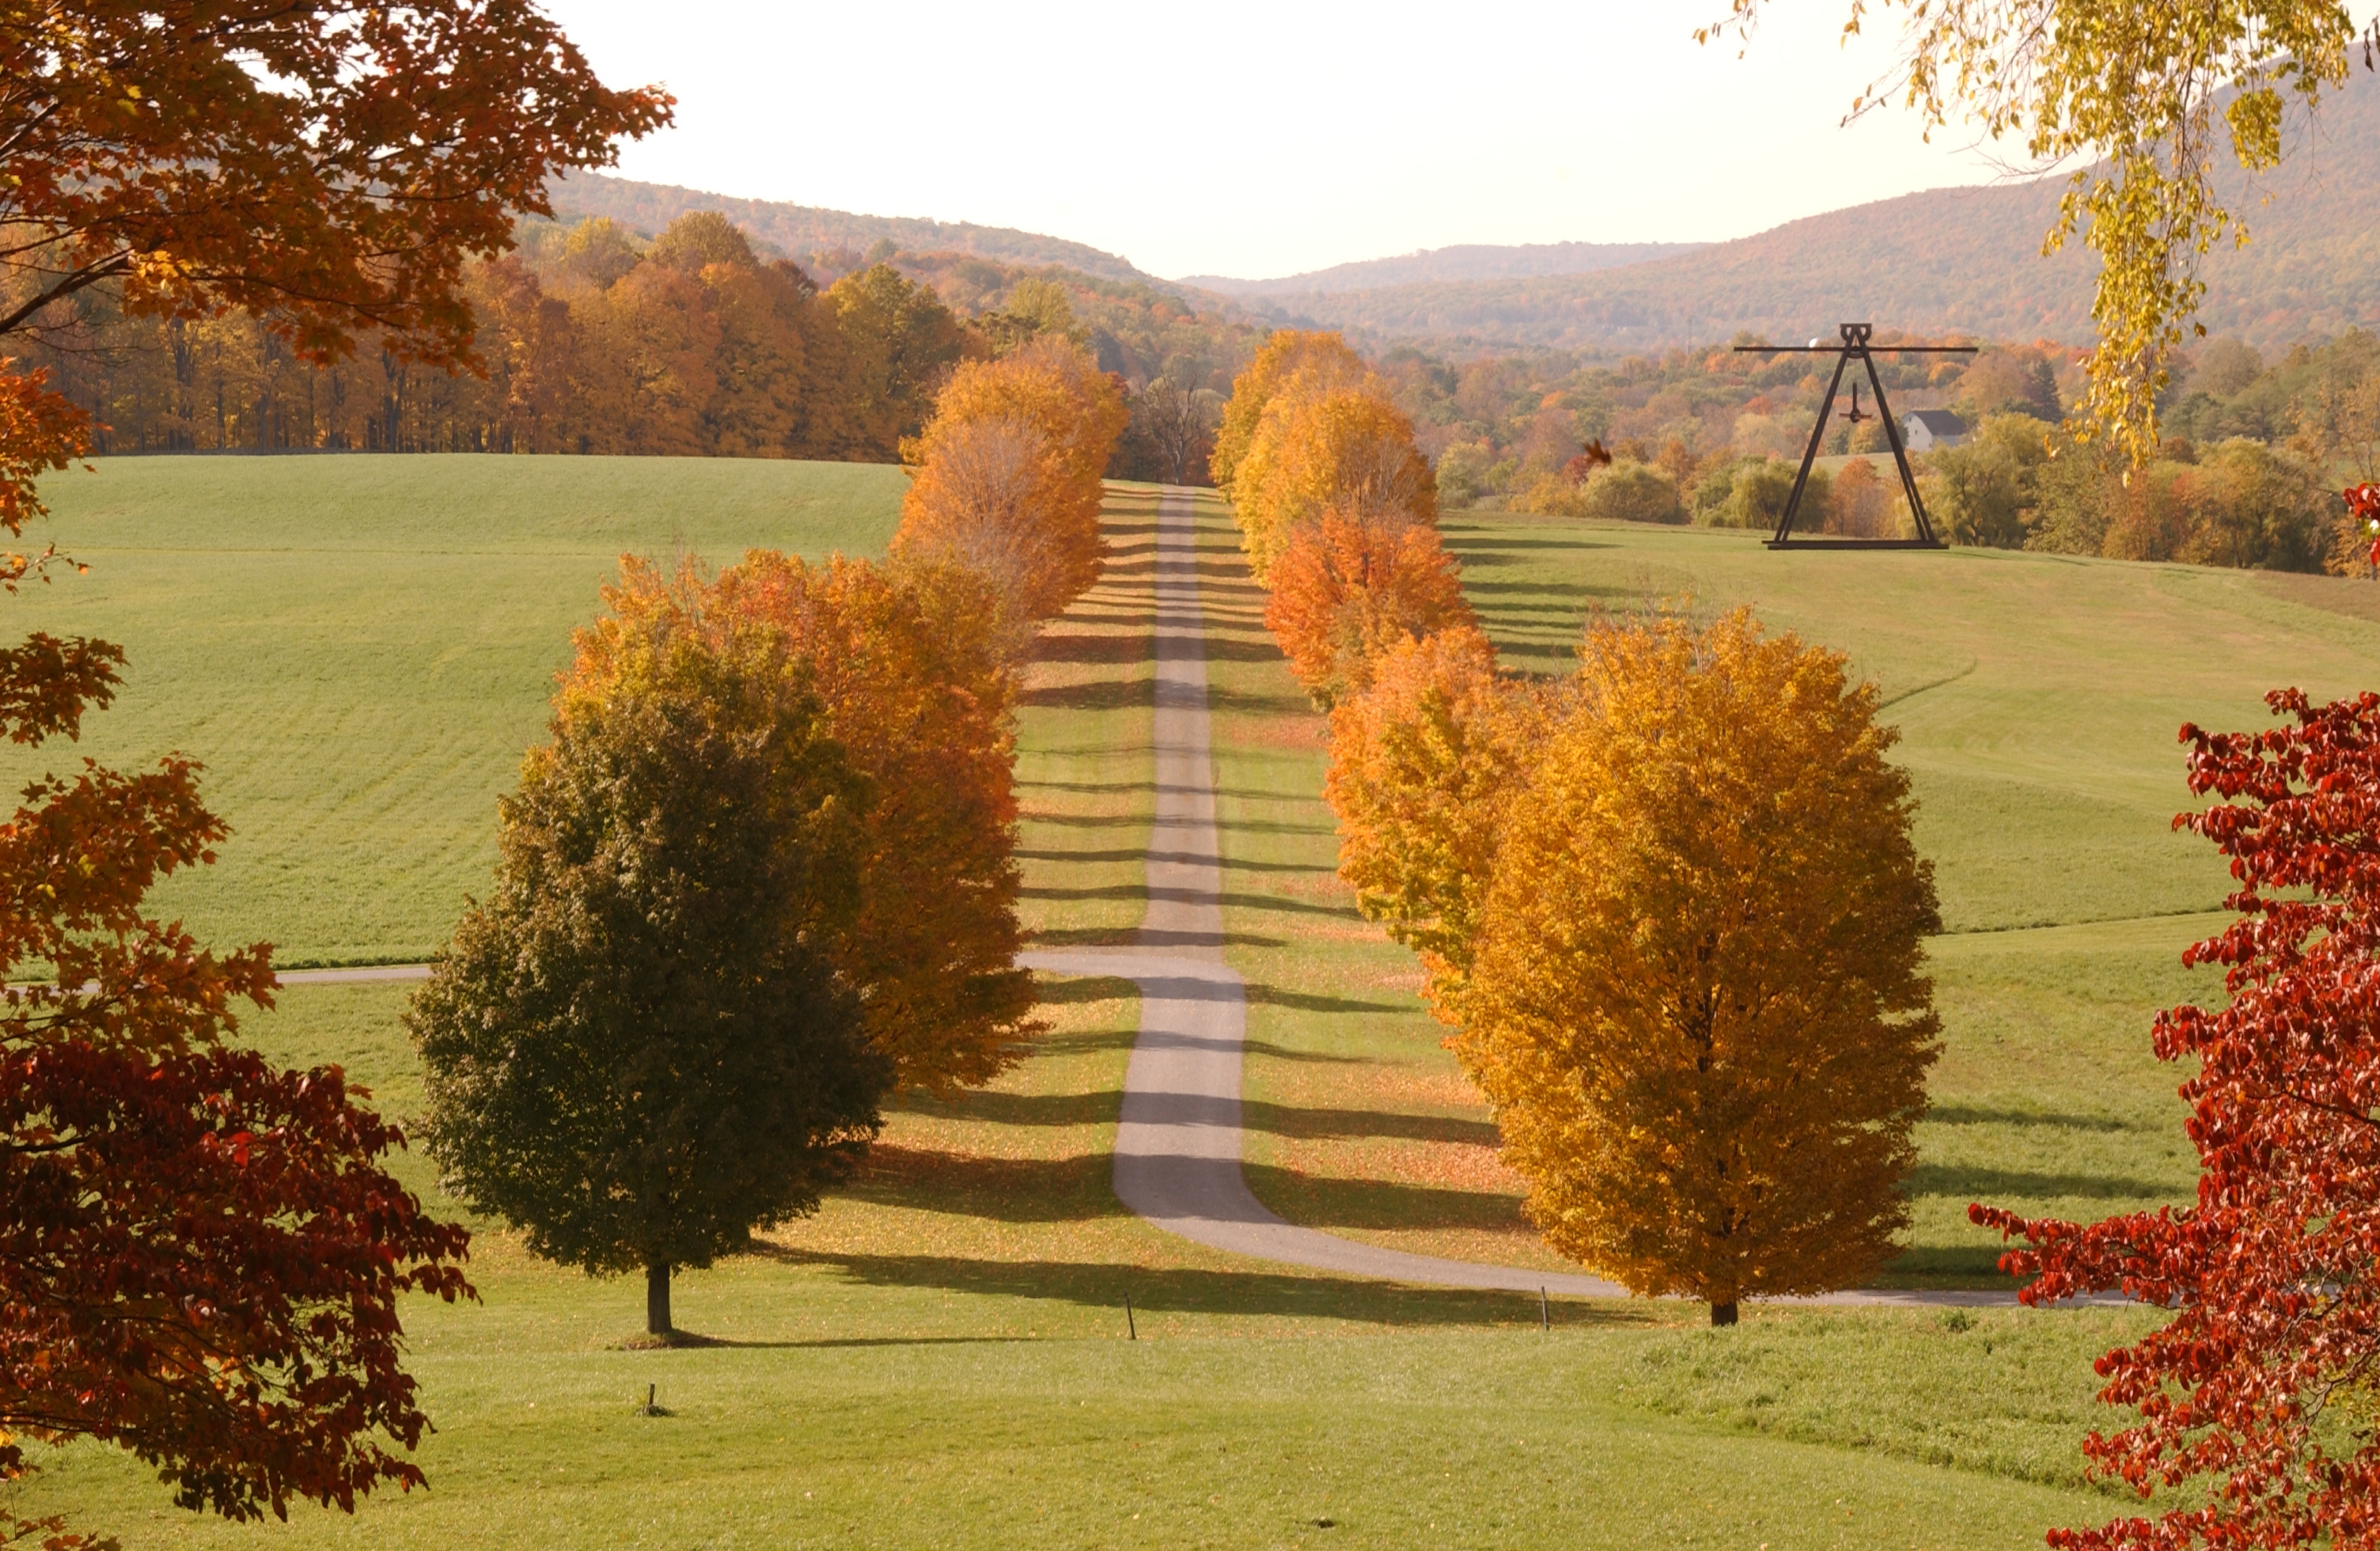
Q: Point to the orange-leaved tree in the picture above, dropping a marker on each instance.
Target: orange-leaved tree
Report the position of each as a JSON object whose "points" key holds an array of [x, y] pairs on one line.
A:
{"points": [[1349, 585], [988, 499], [329, 167], [1697, 997], [915, 688], [1347, 448], [1320, 358], [1032, 489], [1424, 766]]}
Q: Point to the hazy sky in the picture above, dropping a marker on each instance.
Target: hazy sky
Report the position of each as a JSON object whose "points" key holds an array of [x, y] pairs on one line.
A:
{"points": [[1261, 139]]}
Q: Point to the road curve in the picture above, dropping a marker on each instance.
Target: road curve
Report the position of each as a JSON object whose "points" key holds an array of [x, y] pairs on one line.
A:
{"points": [[1178, 1139]]}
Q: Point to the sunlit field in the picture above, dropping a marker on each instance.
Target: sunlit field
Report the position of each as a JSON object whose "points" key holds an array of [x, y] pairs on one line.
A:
{"points": [[360, 647]]}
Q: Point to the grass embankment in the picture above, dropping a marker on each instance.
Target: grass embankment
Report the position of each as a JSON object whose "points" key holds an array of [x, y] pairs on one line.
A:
{"points": [[937, 1358], [2037, 697]]}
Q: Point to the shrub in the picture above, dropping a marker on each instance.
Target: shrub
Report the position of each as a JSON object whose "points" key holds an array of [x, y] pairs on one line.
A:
{"points": [[1629, 491]]}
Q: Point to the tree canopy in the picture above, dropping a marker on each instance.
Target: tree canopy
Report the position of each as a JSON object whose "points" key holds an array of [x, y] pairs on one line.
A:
{"points": [[329, 167], [1695, 996], [639, 1048]]}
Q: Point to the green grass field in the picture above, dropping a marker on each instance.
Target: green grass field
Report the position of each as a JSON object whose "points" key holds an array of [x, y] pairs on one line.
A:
{"points": [[359, 648]]}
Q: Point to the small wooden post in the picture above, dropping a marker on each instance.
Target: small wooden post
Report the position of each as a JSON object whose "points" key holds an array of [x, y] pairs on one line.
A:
{"points": [[1544, 1313], [1130, 1331]]}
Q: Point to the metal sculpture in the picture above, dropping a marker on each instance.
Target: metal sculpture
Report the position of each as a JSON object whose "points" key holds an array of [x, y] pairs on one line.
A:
{"points": [[1855, 346]]}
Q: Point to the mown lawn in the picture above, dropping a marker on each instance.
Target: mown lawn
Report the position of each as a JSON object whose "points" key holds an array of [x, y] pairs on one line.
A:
{"points": [[2038, 699], [359, 649]]}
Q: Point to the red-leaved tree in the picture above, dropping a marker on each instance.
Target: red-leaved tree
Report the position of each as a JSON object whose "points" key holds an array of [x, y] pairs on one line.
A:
{"points": [[2257, 1395]]}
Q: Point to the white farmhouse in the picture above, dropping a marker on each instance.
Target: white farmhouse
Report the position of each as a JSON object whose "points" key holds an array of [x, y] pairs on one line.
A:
{"points": [[1922, 430]]}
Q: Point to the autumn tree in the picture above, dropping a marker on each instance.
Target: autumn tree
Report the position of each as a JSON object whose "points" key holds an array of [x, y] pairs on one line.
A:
{"points": [[2142, 99], [903, 343], [327, 167], [200, 1258], [639, 1048], [984, 501], [1695, 998], [1009, 471], [1322, 358], [2253, 1400], [1426, 766], [913, 686], [1349, 586], [1348, 449]]}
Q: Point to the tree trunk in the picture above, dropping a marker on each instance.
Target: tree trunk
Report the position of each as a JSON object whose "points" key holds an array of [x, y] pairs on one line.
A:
{"points": [[657, 1309], [1721, 1314]]}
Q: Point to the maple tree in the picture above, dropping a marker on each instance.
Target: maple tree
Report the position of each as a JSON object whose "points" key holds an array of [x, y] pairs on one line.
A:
{"points": [[2254, 1398], [1695, 996], [1321, 358], [639, 1048], [328, 167], [1351, 585], [913, 684], [1009, 473], [1425, 765], [1345, 448], [200, 1258], [986, 498]]}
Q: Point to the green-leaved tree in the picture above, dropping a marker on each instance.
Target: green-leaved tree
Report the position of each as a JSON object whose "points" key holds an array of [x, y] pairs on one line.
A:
{"points": [[637, 1048]]}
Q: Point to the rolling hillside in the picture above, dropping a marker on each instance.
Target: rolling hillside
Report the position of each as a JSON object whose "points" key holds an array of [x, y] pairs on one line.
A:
{"points": [[1469, 261], [799, 229], [1946, 259]]}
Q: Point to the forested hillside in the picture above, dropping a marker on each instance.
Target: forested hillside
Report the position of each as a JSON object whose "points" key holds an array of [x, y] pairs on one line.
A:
{"points": [[1469, 261], [1964, 260], [827, 242], [597, 338]]}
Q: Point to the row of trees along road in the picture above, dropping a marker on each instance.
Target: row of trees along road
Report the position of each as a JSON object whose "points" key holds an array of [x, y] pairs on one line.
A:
{"points": [[763, 872], [201, 1259], [1670, 908]]}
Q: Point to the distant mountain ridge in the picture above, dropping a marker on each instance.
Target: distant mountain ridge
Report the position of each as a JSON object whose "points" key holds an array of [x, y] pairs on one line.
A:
{"points": [[799, 229], [1962, 260], [1946, 260], [1466, 262]]}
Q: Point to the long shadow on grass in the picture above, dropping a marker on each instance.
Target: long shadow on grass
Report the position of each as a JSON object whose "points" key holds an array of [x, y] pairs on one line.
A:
{"points": [[2014, 1184], [1306, 1002], [1073, 647], [1136, 937], [1976, 1114], [1191, 896], [1182, 1291], [1319, 1202], [1100, 695], [1234, 866], [1303, 1123]]}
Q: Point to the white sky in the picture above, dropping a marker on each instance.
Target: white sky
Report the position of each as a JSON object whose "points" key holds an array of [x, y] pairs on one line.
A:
{"points": [[1260, 140]]}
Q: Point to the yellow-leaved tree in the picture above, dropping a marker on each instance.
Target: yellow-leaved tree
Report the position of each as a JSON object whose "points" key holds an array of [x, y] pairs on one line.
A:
{"points": [[1425, 765], [1315, 450], [1320, 357], [1695, 994]]}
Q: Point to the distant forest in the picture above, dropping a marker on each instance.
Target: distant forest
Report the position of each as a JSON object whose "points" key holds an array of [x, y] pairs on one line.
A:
{"points": [[693, 342]]}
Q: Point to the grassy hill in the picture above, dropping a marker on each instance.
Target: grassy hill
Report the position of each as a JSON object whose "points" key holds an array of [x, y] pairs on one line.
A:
{"points": [[359, 646], [1947, 259]]}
